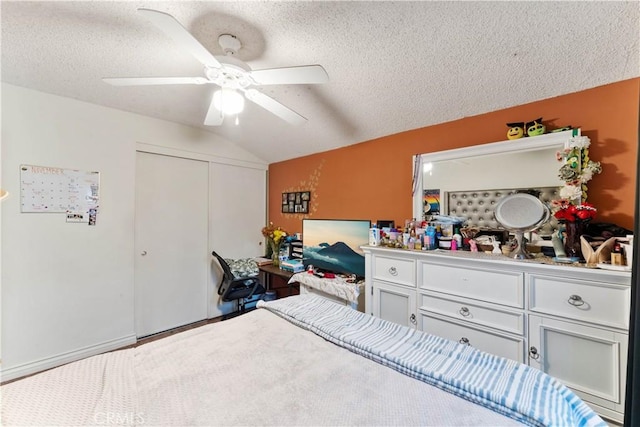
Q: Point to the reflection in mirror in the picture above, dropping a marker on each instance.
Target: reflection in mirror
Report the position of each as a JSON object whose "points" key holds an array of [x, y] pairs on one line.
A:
{"points": [[471, 181]]}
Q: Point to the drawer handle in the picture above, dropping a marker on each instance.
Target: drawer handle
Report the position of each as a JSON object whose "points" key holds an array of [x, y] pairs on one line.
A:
{"points": [[576, 300], [464, 340], [393, 271], [464, 311], [412, 319], [533, 353]]}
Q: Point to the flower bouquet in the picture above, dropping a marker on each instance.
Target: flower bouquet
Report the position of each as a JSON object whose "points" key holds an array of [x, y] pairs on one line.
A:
{"points": [[571, 209], [565, 211], [275, 237]]}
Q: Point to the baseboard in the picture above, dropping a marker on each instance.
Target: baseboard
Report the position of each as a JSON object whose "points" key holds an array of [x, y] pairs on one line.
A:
{"points": [[63, 358]]}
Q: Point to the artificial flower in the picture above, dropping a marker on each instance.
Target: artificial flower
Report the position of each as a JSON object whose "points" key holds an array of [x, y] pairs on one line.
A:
{"points": [[589, 170], [577, 169], [567, 212], [580, 142], [571, 192], [568, 173]]}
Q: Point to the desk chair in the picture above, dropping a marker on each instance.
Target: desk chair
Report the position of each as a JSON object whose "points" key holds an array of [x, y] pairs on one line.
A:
{"points": [[238, 289]]}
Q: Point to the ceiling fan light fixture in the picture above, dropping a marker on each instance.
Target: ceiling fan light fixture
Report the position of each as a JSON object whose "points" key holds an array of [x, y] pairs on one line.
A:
{"points": [[233, 76], [229, 101]]}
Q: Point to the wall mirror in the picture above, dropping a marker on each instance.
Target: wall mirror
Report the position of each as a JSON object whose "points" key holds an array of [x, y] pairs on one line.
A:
{"points": [[470, 181]]}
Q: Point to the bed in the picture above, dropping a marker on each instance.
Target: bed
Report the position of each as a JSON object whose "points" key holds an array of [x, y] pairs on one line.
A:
{"points": [[301, 360]]}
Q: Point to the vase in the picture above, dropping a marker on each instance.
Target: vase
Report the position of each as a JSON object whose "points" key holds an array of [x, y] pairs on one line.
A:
{"points": [[275, 253], [572, 233]]}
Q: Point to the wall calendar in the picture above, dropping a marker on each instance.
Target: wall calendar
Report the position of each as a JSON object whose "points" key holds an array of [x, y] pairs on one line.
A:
{"points": [[51, 189]]}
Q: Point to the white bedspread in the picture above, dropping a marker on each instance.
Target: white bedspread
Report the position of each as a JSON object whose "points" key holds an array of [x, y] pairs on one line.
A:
{"points": [[256, 369]]}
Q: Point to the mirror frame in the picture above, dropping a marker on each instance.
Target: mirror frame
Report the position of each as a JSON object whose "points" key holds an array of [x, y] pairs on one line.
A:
{"points": [[548, 140]]}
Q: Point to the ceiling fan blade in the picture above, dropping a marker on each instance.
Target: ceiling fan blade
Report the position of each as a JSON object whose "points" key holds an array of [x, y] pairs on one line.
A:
{"points": [[306, 74], [270, 104], [172, 28], [146, 81], [214, 116]]}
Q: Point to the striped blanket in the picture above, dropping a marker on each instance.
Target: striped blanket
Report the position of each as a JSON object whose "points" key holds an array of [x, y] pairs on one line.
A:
{"points": [[505, 386]]}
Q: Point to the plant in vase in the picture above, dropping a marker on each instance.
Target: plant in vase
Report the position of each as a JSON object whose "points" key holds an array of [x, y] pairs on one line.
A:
{"points": [[574, 218], [275, 238], [571, 209]]}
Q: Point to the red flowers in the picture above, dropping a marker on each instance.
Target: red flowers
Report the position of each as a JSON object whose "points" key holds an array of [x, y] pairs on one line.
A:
{"points": [[565, 211]]}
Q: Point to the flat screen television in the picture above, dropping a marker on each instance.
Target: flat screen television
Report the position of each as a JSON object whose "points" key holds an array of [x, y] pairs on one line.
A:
{"points": [[334, 244]]}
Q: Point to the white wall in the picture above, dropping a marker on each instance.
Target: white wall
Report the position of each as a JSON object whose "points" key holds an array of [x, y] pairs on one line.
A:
{"points": [[67, 289]]}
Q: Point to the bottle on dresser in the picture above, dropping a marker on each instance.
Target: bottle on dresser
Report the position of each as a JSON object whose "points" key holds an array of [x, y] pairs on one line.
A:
{"points": [[616, 255], [430, 238]]}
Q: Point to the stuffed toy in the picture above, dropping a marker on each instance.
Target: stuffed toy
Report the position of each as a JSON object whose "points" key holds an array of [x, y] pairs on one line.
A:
{"points": [[535, 127], [516, 130]]}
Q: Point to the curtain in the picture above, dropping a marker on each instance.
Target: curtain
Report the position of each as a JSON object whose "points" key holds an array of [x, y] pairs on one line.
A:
{"points": [[632, 399], [417, 174]]}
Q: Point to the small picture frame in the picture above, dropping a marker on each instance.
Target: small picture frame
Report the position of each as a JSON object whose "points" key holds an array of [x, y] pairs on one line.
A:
{"points": [[296, 202], [431, 201]]}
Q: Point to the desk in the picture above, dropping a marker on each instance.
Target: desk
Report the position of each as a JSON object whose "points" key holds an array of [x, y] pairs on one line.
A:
{"points": [[276, 279]]}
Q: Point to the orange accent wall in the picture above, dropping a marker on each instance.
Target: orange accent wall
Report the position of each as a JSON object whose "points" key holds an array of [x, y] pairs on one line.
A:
{"points": [[372, 179]]}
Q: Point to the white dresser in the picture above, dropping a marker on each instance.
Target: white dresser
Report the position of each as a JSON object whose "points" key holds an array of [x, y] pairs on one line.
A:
{"points": [[569, 321]]}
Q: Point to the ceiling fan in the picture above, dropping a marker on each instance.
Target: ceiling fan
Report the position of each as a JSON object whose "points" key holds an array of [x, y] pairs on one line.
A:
{"points": [[233, 76]]}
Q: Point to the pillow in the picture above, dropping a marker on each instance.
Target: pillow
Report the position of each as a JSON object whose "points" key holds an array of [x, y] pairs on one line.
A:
{"points": [[243, 267]]}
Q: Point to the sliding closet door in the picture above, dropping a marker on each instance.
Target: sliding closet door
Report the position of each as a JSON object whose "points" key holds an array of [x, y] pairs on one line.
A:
{"points": [[171, 242], [238, 210]]}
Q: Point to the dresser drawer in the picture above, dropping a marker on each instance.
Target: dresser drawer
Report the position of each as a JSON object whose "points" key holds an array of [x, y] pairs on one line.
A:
{"points": [[595, 302], [490, 342], [500, 287], [473, 312], [396, 270]]}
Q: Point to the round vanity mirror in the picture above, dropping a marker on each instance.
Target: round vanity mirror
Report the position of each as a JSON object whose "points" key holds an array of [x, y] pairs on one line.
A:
{"points": [[520, 213]]}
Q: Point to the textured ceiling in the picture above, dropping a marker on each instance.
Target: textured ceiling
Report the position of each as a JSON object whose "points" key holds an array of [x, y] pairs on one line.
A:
{"points": [[393, 66]]}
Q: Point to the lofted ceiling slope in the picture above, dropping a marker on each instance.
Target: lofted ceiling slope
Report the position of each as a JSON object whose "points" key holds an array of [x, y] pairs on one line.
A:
{"points": [[393, 66]]}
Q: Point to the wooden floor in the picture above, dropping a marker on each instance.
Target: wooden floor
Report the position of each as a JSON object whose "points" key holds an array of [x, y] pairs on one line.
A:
{"points": [[173, 331], [179, 329]]}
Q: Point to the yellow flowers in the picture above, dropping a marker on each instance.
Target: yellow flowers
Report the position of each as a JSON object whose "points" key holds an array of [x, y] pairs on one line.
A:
{"points": [[273, 233], [275, 237], [279, 235]]}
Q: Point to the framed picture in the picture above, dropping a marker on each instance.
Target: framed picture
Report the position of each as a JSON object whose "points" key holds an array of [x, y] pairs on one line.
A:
{"points": [[296, 202], [431, 201]]}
